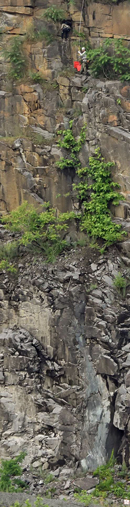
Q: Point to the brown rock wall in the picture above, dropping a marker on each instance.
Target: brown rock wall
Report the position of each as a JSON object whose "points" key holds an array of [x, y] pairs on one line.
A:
{"points": [[109, 20], [29, 168], [98, 19], [44, 109]]}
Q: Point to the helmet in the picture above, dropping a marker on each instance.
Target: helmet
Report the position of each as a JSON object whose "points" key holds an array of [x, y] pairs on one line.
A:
{"points": [[83, 49]]}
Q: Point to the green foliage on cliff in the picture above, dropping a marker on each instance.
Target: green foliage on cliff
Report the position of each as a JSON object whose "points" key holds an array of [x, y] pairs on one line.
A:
{"points": [[36, 77], [10, 471], [111, 60], [72, 145], [120, 283], [54, 13], [7, 266], [45, 231], [8, 252], [96, 190], [17, 59], [109, 483], [95, 198]]}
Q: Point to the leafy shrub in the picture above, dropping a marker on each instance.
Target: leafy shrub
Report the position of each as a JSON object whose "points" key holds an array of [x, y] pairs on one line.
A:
{"points": [[36, 77], [119, 489], [120, 284], [8, 471], [124, 470], [9, 250], [108, 483], [111, 60], [54, 13], [17, 59], [95, 199], [43, 230], [84, 497], [5, 265], [104, 471], [72, 145]]}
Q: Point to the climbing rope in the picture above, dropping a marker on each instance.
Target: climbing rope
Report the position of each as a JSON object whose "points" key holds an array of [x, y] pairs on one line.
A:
{"points": [[77, 64], [81, 17]]}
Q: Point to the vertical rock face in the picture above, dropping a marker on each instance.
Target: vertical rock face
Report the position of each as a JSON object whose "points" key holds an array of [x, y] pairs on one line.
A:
{"points": [[108, 20], [64, 363], [97, 418], [28, 162], [64, 345], [32, 110]]}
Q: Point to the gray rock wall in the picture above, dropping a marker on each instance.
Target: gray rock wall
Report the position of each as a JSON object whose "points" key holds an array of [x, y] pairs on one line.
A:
{"points": [[64, 362]]}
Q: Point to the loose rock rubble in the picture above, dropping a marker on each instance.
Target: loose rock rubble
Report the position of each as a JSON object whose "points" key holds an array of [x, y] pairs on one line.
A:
{"points": [[64, 361]]}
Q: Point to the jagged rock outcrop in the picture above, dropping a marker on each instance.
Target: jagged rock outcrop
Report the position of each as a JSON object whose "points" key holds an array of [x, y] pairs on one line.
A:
{"points": [[64, 356]]}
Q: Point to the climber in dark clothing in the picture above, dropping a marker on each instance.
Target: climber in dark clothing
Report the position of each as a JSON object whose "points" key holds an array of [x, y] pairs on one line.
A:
{"points": [[65, 29]]}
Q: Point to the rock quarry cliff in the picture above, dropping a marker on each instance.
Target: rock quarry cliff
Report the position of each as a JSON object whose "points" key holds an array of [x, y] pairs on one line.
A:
{"points": [[64, 328]]}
